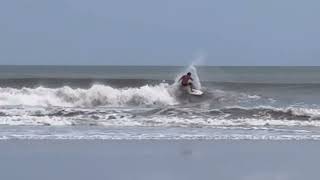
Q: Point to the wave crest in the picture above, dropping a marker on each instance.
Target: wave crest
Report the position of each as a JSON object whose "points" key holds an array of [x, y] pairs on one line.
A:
{"points": [[96, 95]]}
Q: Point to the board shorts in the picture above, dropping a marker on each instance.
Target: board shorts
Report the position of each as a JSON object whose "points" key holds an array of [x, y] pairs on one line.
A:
{"points": [[188, 84]]}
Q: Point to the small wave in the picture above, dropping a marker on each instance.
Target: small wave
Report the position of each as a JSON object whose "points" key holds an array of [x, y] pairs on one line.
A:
{"points": [[262, 113], [96, 95], [267, 112]]}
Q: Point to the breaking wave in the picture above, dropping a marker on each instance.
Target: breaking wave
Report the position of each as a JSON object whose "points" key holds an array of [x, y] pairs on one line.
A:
{"points": [[96, 95]]}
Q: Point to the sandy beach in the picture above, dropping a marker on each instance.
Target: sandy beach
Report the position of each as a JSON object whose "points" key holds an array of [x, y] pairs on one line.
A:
{"points": [[159, 159]]}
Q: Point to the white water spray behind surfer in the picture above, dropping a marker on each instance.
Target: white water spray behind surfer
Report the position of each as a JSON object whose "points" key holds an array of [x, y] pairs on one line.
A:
{"points": [[199, 60]]}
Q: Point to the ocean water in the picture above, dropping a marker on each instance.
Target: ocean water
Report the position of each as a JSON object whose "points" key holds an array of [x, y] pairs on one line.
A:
{"points": [[146, 102]]}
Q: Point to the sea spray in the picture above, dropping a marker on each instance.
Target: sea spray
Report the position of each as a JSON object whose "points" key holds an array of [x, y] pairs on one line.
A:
{"points": [[196, 80], [199, 60]]}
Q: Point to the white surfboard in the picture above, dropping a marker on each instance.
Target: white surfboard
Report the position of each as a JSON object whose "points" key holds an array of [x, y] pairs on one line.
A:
{"points": [[195, 92]]}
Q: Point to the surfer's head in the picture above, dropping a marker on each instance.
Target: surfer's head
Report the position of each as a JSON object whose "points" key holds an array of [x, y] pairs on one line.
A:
{"points": [[189, 73]]}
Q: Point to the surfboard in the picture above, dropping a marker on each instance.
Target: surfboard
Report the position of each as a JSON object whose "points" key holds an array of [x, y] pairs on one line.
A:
{"points": [[196, 92]]}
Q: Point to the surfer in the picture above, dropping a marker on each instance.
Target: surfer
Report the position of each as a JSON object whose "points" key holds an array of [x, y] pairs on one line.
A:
{"points": [[185, 81]]}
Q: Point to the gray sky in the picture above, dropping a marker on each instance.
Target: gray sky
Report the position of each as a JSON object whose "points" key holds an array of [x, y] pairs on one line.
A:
{"points": [[160, 32]]}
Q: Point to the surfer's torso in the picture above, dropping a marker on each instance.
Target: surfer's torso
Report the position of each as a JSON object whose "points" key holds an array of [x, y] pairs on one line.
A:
{"points": [[185, 80]]}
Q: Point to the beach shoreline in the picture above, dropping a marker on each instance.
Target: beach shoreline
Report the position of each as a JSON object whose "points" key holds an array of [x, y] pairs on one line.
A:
{"points": [[158, 159]]}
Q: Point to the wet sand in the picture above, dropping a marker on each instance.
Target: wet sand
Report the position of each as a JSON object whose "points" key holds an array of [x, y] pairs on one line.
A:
{"points": [[159, 159]]}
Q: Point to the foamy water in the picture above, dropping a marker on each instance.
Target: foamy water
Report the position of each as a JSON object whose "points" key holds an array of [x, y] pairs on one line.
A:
{"points": [[96, 95]]}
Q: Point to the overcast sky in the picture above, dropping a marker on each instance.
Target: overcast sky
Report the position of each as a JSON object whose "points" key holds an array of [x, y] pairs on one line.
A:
{"points": [[160, 32]]}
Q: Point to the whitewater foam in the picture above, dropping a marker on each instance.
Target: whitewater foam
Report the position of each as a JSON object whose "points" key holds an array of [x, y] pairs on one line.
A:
{"points": [[142, 133], [160, 116], [96, 95]]}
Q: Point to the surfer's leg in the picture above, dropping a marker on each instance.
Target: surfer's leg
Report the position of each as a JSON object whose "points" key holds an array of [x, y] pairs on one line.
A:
{"points": [[191, 87]]}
